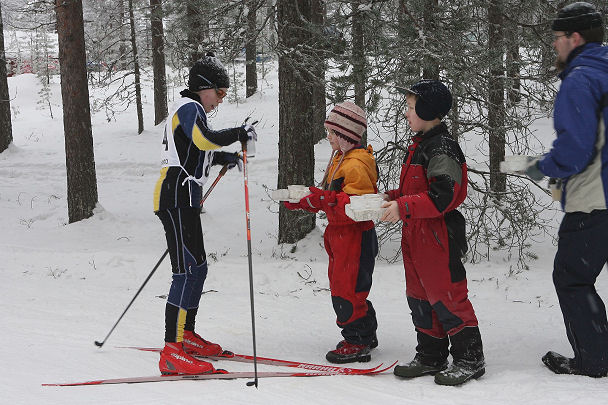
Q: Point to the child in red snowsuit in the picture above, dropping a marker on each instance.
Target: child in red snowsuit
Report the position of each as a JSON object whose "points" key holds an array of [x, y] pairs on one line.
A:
{"points": [[432, 184], [351, 246]]}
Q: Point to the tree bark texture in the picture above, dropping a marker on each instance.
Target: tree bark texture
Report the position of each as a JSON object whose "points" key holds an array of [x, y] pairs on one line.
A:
{"points": [[358, 58], [140, 112], [319, 103], [79, 156], [513, 64], [122, 48], [430, 65], [496, 99], [6, 130], [158, 61], [296, 151], [195, 32], [251, 75]]}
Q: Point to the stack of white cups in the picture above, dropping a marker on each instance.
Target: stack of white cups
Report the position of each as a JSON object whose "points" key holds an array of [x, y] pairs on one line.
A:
{"points": [[297, 192], [366, 207]]}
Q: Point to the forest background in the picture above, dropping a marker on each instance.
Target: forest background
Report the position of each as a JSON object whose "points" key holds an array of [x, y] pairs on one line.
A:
{"points": [[289, 61]]}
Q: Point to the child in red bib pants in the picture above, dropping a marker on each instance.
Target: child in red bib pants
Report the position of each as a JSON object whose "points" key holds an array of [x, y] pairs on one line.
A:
{"points": [[432, 184]]}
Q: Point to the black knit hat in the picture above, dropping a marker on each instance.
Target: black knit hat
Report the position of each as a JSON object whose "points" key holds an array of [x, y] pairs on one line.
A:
{"points": [[577, 17], [434, 99], [208, 73]]}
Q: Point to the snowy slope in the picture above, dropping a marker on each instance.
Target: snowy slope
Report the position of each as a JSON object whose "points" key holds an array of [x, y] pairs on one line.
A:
{"points": [[65, 285]]}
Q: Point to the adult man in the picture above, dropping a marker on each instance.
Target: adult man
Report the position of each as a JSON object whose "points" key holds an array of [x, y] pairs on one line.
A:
{"points": [[579, 158], [187, 155]]}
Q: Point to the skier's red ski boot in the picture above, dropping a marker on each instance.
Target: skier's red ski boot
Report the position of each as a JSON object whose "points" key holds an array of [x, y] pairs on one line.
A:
{"points": [[197, 346], [174, 360]]}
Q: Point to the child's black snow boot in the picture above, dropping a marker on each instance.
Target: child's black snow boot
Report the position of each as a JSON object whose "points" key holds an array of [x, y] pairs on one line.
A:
{"points": [[467, 352], [418, 368]]}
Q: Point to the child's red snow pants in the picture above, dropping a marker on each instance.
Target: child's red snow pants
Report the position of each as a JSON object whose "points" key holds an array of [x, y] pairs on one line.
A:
{"points": [[352, 250]]}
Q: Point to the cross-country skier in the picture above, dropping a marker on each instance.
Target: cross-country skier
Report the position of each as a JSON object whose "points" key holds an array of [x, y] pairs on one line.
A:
{"points": [[188, 152]]}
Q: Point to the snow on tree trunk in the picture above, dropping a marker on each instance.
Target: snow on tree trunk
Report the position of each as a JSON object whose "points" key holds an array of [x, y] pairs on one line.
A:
{"points": [[6, 132], [496, 102], [122, 48], [251, 75], [296, 151], [196, 30], [79, 156], [140, 113], [358, 58], [513, 60], [319, 103], [430, 64], [158, 61]]}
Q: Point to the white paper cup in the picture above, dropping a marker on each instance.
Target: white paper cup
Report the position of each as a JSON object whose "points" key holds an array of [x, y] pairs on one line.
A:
{"points": [[297, 191], [514, 163]]}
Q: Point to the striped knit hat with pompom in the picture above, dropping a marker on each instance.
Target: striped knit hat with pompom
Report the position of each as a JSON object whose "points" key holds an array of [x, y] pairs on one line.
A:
{"points": [[348, 121]]}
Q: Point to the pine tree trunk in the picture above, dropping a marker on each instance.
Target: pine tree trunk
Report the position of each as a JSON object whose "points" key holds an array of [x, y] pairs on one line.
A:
{"points": [[358, 58], [271, 18], [454, 117], [195, 32], [296, 151], [251, 75], [158, 61], [6, 130], [496, 102], [319, 104], [430, 65], [122, 47], [140, 112], [513, 63], [79, 156]]}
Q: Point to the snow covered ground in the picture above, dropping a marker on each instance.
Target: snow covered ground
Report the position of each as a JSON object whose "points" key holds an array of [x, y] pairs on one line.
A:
{"points": [[63, 286]]}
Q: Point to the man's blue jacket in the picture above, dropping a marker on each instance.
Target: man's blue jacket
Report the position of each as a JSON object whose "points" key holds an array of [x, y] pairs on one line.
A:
{"points": [[579, 155]]}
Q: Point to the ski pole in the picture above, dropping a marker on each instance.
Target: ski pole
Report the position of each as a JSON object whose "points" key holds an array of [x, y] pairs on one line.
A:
{"points": [[255, 358], [217, 179], [100, 344]]}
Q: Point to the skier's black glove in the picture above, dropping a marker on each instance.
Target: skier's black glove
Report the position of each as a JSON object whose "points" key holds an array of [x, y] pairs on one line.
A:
{"points": [[248, 133], [229, 159]]}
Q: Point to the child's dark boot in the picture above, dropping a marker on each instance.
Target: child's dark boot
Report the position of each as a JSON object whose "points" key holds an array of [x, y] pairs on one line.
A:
{"points": [[467, 352], [431, 357]]}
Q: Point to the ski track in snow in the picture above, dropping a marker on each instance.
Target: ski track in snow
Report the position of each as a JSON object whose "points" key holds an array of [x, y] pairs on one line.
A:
{"points": [[64, 286]]}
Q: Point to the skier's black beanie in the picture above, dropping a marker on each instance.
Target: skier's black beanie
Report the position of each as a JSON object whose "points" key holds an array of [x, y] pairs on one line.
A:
{"points": [[208, 73]]}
